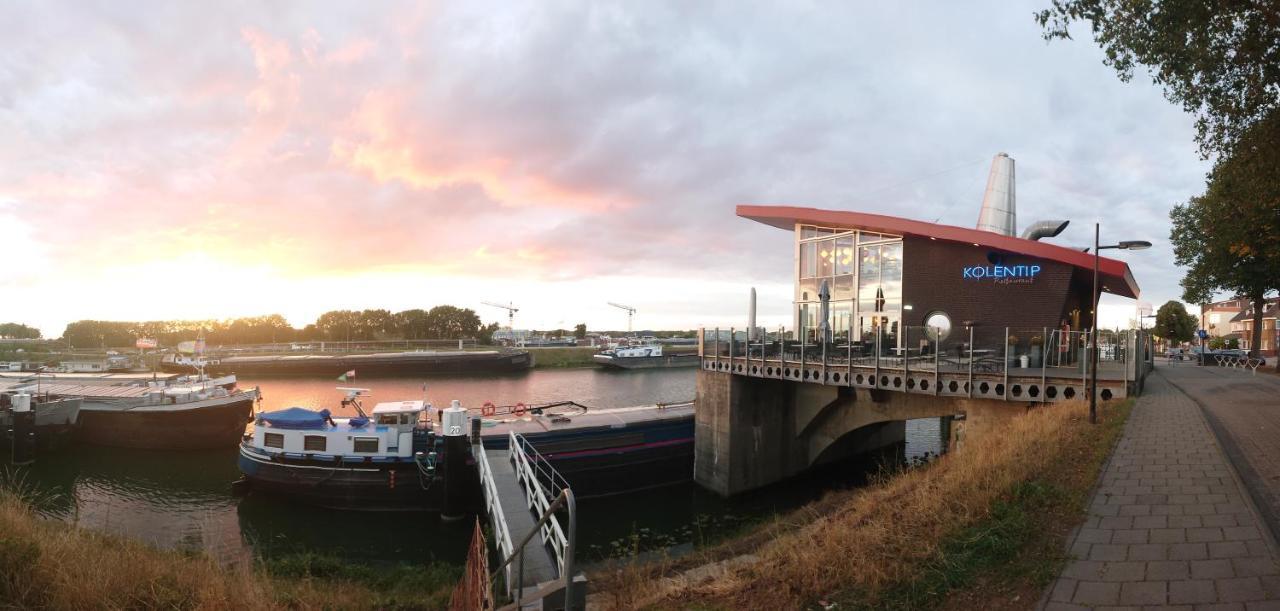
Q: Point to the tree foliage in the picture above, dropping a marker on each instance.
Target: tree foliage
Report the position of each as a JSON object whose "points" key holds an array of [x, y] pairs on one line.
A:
{"points": [[580, 331], [1174, 323], [440, 322], [13, 330], [1218, 59], [1228, 239]]}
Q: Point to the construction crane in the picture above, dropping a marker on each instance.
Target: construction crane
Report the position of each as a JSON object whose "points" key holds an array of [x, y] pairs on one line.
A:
{"points": [[511, 316], [630, 312]]}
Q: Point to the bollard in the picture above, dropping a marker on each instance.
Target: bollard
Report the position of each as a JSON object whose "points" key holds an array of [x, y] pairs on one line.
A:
{"points": [[454, 419], [23, 433]]}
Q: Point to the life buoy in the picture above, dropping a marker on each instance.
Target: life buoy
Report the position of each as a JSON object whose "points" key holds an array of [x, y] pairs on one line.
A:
{"points": [[519, 410], [489, 409]]}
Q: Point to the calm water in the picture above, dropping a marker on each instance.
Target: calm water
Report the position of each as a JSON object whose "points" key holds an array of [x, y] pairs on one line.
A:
{"points": [[175, 499]]}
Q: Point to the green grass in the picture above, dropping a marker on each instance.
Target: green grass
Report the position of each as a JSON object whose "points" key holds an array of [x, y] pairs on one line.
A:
{"points": [[553, 358]]}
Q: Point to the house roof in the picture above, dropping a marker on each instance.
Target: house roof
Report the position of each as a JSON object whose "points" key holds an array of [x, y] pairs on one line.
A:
{"points": [[1114, 275], [1269, 311]]}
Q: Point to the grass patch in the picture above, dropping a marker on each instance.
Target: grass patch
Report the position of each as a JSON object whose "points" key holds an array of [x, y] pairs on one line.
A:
{"points": [[551, 358], [50, 564], [982, 527]]}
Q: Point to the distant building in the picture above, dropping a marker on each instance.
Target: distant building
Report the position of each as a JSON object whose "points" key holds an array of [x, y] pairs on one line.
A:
{"points": [[1215, 318], [1242, 324]]}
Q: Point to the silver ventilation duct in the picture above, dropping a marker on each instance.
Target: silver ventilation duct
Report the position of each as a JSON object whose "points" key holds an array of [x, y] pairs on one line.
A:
{"points": [[999, 205], [1044, 229]]}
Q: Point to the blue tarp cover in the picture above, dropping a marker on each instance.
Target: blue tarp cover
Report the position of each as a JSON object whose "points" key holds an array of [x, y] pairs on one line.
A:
{"points": [[294, 418]]}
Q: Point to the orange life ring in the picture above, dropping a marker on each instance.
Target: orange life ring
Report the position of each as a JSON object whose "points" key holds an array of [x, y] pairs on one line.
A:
{"points": [[488, 409], [519, 410]]}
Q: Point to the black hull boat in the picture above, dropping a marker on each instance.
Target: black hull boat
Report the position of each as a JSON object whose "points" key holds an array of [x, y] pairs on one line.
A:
{"points": [[307, 457], [385, 364], [214, 422], [55, 419]]}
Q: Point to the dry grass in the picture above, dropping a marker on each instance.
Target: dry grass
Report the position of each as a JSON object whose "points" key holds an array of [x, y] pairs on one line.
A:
{"points": [[46, 564], [870, 548]]}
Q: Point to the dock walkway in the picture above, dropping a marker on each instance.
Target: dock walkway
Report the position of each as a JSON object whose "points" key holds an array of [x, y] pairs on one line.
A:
{"points": [[539, 565], [1170, 523]]}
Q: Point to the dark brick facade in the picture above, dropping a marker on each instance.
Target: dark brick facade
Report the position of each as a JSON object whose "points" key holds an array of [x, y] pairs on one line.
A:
{"points": [[933, 279]]}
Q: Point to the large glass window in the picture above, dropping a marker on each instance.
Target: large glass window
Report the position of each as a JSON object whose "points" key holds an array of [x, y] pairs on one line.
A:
{"points": [[809, 260], [864, 272], [844, 255], [869, 279]]}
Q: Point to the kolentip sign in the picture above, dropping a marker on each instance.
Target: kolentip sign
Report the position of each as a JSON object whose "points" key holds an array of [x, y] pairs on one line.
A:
{"points": [[1001, 272]]}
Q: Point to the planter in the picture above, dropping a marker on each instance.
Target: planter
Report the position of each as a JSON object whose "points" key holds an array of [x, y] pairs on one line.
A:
{"points": [[1037, 357]]}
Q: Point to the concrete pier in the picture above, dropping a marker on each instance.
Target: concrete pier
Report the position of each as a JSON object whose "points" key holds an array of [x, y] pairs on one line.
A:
{"points": [[752, 432]]}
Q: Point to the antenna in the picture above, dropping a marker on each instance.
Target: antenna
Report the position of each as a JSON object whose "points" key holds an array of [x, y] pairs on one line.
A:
{"points": [[630, 312], [511, 315]]}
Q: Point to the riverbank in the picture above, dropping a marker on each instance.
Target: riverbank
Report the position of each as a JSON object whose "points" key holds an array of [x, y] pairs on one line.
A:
{"points": [[50, 564], [982, 527]]}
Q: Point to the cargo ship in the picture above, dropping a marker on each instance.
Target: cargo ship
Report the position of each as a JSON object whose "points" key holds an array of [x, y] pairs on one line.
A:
{"points": [[644, 357], [377, 364]]}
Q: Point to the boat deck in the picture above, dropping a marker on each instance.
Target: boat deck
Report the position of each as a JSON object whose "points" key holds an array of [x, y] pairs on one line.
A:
{"points": [[620, 417]]}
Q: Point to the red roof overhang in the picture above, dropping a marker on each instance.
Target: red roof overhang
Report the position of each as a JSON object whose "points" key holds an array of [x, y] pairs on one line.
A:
{"points": [[1114, 275]]}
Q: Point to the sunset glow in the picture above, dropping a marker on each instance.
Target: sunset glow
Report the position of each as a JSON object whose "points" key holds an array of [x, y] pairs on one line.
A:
{"points": [[217, 165]]}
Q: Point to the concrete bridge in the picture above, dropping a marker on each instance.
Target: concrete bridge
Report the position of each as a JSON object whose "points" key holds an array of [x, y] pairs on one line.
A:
{"points": [[768, 410]]}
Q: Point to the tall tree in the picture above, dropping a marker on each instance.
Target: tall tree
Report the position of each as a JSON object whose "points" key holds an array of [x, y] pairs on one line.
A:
{"points": [[1218, 59], [1229, 237], [13, 330], [580, 331], [1174, 323]]}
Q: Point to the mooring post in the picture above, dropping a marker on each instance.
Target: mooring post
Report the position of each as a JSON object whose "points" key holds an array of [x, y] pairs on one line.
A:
{"points": [[1044, 361], [1006, 363], [970, 383]]}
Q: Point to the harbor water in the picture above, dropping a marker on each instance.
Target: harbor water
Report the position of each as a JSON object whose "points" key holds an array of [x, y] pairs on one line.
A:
{"points": [[183, 499]]}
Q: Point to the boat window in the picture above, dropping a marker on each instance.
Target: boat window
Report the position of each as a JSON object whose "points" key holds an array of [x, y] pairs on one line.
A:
{"points": [[273, 440], [406, 418], [387, 419], [367, 445], [314, 443]]}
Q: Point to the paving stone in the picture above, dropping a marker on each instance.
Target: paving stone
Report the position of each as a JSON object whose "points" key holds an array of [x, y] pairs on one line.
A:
{"points": [[1063, 590], [1240, 589], [1253, 567], [1168, 524], [1228, 549], [1192, 592], [1097, 593], [1212, 569], [1124, 571], [1143, 593]]}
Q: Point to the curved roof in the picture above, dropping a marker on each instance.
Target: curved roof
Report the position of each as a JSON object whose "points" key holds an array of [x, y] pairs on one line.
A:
{"points": [[1114, 275]]}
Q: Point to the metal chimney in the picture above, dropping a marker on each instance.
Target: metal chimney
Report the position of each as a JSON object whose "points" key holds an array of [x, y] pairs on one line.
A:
{"points": [[999, 206]]}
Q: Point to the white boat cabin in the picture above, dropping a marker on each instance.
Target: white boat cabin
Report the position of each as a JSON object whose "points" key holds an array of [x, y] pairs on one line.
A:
{"points": [[301, 433]]}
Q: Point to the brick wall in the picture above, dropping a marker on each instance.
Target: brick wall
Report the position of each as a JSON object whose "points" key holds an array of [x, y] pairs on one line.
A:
{"points": [[933, 279]]}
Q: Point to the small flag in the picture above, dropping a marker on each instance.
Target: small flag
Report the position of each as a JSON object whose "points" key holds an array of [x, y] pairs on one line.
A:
{"points": [[344, 377]]}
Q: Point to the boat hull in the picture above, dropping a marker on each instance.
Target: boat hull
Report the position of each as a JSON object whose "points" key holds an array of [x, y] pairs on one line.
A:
{"points": [[403, 364], [603, 461], [200, 425], [668, 361], [363, 487], [55, 421]]}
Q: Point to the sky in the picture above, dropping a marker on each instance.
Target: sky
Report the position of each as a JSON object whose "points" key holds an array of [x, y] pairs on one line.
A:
{"points": [[212, 160]]}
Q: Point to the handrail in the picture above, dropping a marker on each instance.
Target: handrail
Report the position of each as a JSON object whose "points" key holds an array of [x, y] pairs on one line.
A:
{"points": [[501, 536], [563, 500]]}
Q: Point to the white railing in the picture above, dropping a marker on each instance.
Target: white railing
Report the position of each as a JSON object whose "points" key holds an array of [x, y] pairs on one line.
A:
{"points": [[530, 474], [501, 537]]}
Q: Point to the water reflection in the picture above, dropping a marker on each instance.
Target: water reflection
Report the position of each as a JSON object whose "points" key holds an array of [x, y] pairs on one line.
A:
{"points": [[183, 499]]}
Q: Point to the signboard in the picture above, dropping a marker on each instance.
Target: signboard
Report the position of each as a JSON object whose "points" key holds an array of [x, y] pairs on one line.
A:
{"points": [[145, 343], [1002, 274], [1203, 334]]}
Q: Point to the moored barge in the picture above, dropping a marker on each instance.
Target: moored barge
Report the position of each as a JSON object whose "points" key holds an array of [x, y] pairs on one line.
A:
{"points": [[388, 363]]}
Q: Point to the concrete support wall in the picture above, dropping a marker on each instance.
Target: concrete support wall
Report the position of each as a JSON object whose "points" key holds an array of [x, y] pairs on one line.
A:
{"points": [[752, 432]]}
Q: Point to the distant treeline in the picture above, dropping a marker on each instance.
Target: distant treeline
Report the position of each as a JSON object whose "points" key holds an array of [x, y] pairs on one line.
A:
{"points": [[440, 322], [13, 330]]}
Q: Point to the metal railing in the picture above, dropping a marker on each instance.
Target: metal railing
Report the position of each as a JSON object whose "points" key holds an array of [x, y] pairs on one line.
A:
{"points": [[501, 536], [536, 476], [995, 354]]}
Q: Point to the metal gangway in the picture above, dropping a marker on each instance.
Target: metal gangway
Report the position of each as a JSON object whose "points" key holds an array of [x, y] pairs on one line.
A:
{"points": [[524, 496]]}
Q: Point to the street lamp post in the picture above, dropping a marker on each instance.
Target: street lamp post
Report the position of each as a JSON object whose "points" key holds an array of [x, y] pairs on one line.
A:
{"points": [[1093, 343]]}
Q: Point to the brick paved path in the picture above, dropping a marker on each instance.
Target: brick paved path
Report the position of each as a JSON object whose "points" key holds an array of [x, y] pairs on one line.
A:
{"points": [[1169, 525]]}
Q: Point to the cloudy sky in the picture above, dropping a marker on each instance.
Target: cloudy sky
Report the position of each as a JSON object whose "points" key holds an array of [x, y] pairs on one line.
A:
{"points": [[224, 159]]}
